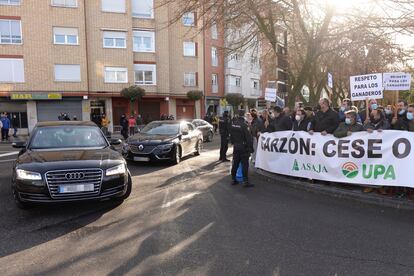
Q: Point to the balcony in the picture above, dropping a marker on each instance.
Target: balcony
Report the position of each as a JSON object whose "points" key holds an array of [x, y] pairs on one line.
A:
{"points": [[233, 89]]}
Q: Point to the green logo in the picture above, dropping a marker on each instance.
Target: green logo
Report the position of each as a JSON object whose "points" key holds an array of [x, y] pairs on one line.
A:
{"points": [[309, 167], [350, 170]]}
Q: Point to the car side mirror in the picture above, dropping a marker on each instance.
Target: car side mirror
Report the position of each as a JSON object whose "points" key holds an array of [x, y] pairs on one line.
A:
{"points": [[115, 142], [19, 145]]}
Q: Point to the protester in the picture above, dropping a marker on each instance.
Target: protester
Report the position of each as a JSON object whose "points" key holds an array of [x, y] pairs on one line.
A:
{"points": [[132, 123], [215, 123], [400, 121], [15, 124], [123, 122], [372, 105], [345, 106], [5, 122], [105, 124], [377, 121], [349, 126], [325, 120], [242, 142], [75, 118], [224, 129], [302, 122], [256, 128], [281, 121], [267, 122], [389, 113], [140, 121]]}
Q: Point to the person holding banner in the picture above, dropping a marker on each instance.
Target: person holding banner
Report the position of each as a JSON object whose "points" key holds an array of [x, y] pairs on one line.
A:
{"points": [[377, 121], [326, 120], [281, 121], [372, 105], [242, 141], [349, 126], [302, 122], [400, 121]]}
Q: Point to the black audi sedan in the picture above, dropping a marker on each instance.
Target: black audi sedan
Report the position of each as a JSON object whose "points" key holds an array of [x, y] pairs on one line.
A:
{"points": [[69, 161], [164, 141]]}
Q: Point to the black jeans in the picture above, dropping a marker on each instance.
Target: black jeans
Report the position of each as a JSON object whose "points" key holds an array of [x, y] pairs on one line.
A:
{"points": [[240, 154], [224, 146], [5, 134]]}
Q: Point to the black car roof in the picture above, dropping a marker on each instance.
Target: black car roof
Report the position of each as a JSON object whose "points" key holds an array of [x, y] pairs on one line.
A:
{"points": [[65, 123]]}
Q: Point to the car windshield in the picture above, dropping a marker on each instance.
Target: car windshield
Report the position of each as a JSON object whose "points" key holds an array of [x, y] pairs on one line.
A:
{"points": [[56, 137], [159, 128], [198, 123]]}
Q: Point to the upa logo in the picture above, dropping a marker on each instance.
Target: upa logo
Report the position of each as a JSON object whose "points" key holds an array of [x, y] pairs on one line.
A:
{"points": [[350, 170]]}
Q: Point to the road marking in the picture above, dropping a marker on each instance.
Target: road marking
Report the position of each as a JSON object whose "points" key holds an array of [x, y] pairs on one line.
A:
{"points": [[8, 160], [8, 154], [189, 196]]}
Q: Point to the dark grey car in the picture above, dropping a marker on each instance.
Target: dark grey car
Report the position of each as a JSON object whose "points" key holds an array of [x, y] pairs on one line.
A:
{"points": [[206, 128]]}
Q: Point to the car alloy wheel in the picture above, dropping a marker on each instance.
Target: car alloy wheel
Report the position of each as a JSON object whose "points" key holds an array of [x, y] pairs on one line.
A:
{"points": [[198, 147], [177, 158], [210, 136]]}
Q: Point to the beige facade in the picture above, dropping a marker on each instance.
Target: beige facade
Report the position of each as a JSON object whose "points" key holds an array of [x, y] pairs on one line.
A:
{"points": [[40, 55]]}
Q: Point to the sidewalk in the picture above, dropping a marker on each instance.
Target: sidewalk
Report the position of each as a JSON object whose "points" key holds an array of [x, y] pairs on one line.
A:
{"points": [[348, 192]]}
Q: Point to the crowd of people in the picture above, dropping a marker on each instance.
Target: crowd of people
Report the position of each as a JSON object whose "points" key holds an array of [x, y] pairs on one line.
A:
{"points": [[8, 122], [340, 122]]}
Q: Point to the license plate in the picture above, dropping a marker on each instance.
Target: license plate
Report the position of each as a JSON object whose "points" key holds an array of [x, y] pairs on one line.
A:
{"points": [[142, 159], [76, 188]]}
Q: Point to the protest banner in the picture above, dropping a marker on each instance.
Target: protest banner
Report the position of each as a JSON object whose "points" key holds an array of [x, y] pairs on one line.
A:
{"points": [[381, 158], [270, 94], [330, 81], [366, 87], [397, 81]]}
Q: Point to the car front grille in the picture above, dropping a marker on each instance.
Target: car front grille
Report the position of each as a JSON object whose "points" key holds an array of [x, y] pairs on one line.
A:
{"points": [[145, 150], [55, 179]]}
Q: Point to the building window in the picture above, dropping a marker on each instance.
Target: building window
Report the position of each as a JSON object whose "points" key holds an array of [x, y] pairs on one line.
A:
{"points": [[12, 70], [144, 41], [189, 19], [113, 6], [214, 31], [214, 56], [143, 8], [114, 40], [65, 3], [214, 83], [237, 81], [255, 84], [145, 74], [10, 2], [116, 75], [67, 72], [189, 49], [190, 79], [10, 32], [67, 36]]}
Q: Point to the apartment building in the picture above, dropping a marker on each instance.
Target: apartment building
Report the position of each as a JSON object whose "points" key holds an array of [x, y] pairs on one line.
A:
{"points": [[75, 56]]}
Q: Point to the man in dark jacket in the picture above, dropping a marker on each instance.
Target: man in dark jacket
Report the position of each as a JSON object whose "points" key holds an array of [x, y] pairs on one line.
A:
{"points": [[267, 122], [400, 121], [281, 121], [5, 127], [242, 147], [124, 126], [350, 125], [372, 105], [224, 129], [325, 120], [377, 121], [302, 122], [15, 124]]}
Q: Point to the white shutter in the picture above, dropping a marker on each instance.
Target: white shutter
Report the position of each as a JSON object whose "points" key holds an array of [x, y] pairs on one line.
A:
{"points": [[65, 31], [66, 72], [143, 8], [12, 70], [115, 35], [113, 5]]}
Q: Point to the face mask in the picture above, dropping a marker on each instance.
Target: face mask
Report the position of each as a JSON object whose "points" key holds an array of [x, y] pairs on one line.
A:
{"points": [[401, 112], [298, 118], [348, 121], [388, 111], [374, 106], [410, 116]]}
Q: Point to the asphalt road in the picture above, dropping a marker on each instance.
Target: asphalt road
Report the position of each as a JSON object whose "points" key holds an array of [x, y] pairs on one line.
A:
{"points": [[189, 220]]}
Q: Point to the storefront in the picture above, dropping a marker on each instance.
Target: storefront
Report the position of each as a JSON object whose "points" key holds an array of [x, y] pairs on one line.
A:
{"points": [[185, 109], [51, 110], [18, 109], [213, 105]]}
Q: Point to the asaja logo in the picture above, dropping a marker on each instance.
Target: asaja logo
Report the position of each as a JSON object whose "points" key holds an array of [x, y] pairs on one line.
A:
{"points": [[316, 168], [350, 170]]}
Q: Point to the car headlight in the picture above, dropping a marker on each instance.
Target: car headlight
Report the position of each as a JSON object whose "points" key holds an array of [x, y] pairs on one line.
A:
{"points": [[120, 169], [26, 175], [165, 147]]}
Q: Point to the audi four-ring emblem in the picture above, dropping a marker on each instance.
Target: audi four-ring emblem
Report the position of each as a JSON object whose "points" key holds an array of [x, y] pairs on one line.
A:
{"points": [[141, 147], [75, 176]]}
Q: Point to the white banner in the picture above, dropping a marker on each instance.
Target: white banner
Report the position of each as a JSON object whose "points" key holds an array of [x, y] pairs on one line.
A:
{"points": [[366, 87], [270, 94], [330, 81], [381, 158], [397, 81]]}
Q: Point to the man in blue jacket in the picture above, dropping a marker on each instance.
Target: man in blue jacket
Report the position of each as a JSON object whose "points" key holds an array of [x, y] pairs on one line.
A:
{"points": [[5, 127]]}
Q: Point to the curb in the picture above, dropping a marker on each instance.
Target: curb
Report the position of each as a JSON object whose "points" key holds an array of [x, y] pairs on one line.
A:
{"points": [[352, 195]]}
